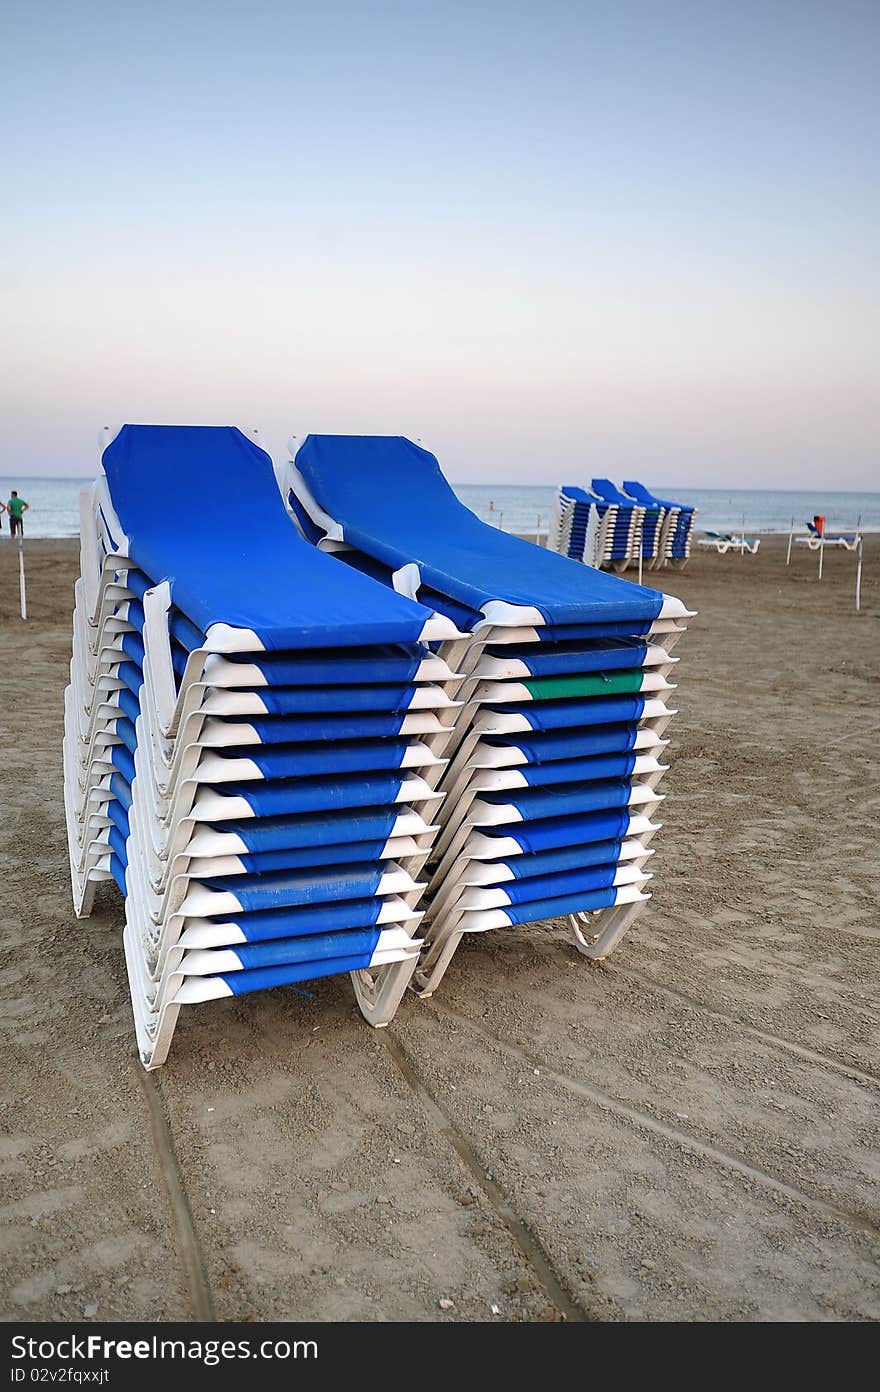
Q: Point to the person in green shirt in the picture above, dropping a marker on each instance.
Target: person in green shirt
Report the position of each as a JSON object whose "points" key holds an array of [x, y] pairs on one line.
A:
{"points": [[16, 507]]}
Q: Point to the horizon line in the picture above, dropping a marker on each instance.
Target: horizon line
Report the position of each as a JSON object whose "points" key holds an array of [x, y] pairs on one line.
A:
{"points": [[500, 483]]}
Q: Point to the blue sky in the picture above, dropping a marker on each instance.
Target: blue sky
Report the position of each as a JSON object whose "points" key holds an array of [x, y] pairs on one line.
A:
{"points": [[550, 239]]}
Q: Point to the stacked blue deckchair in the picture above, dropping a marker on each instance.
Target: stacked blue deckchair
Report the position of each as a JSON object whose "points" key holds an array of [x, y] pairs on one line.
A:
{"points": [[576, 529], [551, 789], [626, 539], [669, 532], [652, 530], [253, 737]]}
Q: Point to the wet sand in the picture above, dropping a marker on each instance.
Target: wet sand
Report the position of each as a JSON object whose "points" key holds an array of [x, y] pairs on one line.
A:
{"points": [[689, 1131]]}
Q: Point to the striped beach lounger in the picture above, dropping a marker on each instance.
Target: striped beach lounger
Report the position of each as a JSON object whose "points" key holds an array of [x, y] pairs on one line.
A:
{"points": [[551, 788], [254, 737]]}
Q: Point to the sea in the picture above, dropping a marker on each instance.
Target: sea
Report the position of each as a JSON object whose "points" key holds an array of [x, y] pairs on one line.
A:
{"points": [[54, 506]]}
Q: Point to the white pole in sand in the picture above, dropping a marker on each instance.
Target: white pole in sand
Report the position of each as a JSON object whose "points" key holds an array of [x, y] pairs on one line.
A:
{"points": [[821, 551], [790, 535], [742, 541], [859, 578], [22, 588]]}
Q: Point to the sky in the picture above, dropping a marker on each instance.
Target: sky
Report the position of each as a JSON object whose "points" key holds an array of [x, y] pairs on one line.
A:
{"points": [[549, 239]]}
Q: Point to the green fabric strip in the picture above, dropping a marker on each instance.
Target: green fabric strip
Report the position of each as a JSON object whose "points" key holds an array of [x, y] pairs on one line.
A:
{"points": [[592, 684]]}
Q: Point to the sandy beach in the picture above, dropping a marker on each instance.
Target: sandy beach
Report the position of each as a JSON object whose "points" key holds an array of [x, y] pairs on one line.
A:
{"points": [[687, 1131]]}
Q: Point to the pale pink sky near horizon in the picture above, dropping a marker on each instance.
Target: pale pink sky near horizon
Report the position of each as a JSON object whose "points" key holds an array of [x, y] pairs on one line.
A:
{"points": [[550, 240]]}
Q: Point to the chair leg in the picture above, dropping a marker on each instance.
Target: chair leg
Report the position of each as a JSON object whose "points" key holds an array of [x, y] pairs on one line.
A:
{"points": [[431, 971], [598, 946], [378, 993]]}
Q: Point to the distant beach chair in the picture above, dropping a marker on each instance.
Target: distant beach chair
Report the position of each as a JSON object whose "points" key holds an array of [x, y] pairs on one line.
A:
{"points": [[253, 738], [551, 788], [626, 523], [667, 528], [569, 522], [655, 514], [576, 528], [816, 538], [730, 541]]}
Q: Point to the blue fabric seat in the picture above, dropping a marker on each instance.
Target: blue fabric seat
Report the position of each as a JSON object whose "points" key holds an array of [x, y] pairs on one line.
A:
{"points": [[322, 759], [562, 883], [565, 799], [576, 828], [568, 743], [262, 578], [375, 487], [565, 714], [305, 729], [309, 886], [600, 766], [369, 665], [577, 656], [263, 925], [314, 700], [366, 823], [534, 910], [311, 968], [275, 798], [574, 857], [269, 862]]}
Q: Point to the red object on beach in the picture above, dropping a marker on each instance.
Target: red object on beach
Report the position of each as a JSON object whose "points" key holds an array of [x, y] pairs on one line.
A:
{"points": [[819, 523]]}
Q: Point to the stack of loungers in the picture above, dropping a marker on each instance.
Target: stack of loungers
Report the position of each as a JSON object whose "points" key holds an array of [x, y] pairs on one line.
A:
{"points": [[627, 531], [602, 527], [576, 529], [674, 526], [551, 791], [614, 528], [652, 529], [254, 735]]}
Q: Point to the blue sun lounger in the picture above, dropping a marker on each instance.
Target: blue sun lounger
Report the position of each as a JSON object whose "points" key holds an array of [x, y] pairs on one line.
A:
{"points": [[562, 697], [451, 546], [626, 537], [576, 528], [672, 524], [254, 736], [815, 539]]}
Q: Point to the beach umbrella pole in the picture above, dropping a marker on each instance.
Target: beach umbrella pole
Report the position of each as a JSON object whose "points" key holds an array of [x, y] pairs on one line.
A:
{"points": [[790, 535], [859, 578], [22, 588], [821, 551]]}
